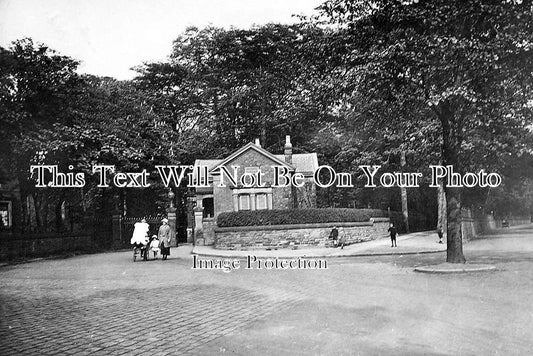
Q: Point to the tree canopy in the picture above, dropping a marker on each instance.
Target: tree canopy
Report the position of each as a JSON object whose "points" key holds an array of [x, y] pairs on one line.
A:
{"points": [[462, 68], [361, 83]]}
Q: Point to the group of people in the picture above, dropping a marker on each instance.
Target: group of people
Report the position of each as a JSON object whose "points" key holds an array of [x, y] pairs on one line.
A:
{"points": [[161, 241], [339, 238], [157, 243], [394, 232]]}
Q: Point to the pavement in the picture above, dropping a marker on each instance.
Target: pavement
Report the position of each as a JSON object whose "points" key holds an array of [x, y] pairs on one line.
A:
{"points": [[105, 304], [414, 243]]}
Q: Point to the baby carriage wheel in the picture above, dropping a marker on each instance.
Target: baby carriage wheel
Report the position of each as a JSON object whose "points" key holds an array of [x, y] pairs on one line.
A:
{"points": [[136, 252]]}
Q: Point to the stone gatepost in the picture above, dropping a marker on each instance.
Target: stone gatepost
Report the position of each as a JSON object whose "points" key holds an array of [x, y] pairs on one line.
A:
{"points": [[198, 226], [171, 216], [117, 229]]}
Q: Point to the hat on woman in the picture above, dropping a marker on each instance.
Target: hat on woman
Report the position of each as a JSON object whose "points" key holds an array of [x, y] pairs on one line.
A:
{"points": [[165, 220]]}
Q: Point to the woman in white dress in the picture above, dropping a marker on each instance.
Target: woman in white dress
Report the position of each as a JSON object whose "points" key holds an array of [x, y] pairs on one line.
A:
{"points": [[140, 233]]}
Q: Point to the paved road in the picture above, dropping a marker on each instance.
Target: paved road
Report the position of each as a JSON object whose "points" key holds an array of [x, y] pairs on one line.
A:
{"points": [[104, 304]]}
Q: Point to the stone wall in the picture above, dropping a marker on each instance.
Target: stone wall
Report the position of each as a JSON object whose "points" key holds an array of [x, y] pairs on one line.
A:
{"points": [[473, 228], [222, 198], [306, 195], [281, 198], [209, 225], [297, 236]]}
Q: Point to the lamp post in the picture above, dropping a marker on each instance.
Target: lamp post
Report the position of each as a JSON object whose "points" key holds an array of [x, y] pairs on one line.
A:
{"points": [[171, 215], [191, 203], [171, 196]]}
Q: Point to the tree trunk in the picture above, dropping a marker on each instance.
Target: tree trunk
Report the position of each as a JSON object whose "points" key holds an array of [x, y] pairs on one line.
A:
{"points": [[40, 200], [441, 220], [263, 110], [451, 143], [454, 250], [58, 212], [37, 207], [403, 191], [83, 203]]}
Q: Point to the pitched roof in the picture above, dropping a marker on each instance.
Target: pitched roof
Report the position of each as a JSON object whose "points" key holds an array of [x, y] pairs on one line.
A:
{"points": [[301, 162], [251, 146], [209, 163]]}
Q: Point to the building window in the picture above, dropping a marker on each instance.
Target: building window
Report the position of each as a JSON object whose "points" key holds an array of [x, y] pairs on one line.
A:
{"points": [[209, 207], [244, 202], [261, 202], [5, 215], [252, 199]]}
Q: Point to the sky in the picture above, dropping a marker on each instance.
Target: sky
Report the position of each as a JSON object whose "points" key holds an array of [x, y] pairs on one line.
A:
{"points": [[111, 36]]}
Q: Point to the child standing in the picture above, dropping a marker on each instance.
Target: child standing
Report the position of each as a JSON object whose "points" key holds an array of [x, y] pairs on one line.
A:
{"points": [[393, 232], [440, 233]]}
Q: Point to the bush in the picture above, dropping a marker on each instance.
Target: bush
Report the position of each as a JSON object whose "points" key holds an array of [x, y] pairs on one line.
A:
{"points": [[293, 216], [375, 213]]}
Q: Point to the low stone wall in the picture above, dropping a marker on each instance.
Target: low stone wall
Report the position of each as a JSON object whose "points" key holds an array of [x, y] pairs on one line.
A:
{"points": [[296, 236], [470, 228], [209, 226], [474, 228], [14, 247]]}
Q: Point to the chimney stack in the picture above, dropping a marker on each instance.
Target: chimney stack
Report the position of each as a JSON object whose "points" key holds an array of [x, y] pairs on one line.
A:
{"points": [[288, 149], [257, 143]]}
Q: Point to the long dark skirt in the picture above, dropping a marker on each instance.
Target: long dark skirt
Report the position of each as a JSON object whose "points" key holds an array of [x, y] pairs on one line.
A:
{"points": [[165, 250]]}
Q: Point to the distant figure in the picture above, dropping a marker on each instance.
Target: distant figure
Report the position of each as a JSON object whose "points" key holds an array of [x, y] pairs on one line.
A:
{"points": [[334, 235], [393, 232], [440, 233], [505, 223], [164, 239], [342, 239]]}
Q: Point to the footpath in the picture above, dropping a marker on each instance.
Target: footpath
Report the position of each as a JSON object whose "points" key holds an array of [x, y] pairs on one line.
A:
{"points": [[414, 243]]}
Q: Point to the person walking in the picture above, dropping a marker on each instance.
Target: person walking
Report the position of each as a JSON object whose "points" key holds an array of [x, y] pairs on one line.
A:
{"points": [[139, 239], [342, 238], [334, 235], [164, 239], [440, 233], [393, 232]]}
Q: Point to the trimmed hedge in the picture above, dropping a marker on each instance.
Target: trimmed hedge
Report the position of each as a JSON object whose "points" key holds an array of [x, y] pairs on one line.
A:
{"points": [[374, 213], [293, 216]]}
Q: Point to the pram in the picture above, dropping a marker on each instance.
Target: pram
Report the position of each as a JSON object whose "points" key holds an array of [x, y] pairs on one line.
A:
{"points": [[143, 250], [140, 240], [139, 250]]}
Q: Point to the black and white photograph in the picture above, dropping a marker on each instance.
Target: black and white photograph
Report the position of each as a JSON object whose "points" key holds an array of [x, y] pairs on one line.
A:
{"points": [[252, 177]]}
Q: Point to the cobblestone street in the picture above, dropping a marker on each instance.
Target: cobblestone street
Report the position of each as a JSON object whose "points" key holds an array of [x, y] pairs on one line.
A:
{"points": [[104, 304]]}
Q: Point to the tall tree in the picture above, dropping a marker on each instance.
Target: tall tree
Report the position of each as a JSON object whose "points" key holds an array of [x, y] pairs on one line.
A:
{"points": [[37, 89], [231, 86], [50, 115], [464, 65]]}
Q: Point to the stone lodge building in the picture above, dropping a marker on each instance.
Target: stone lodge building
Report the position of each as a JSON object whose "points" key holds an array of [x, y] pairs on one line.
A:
{"points": [[212, 200]]}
